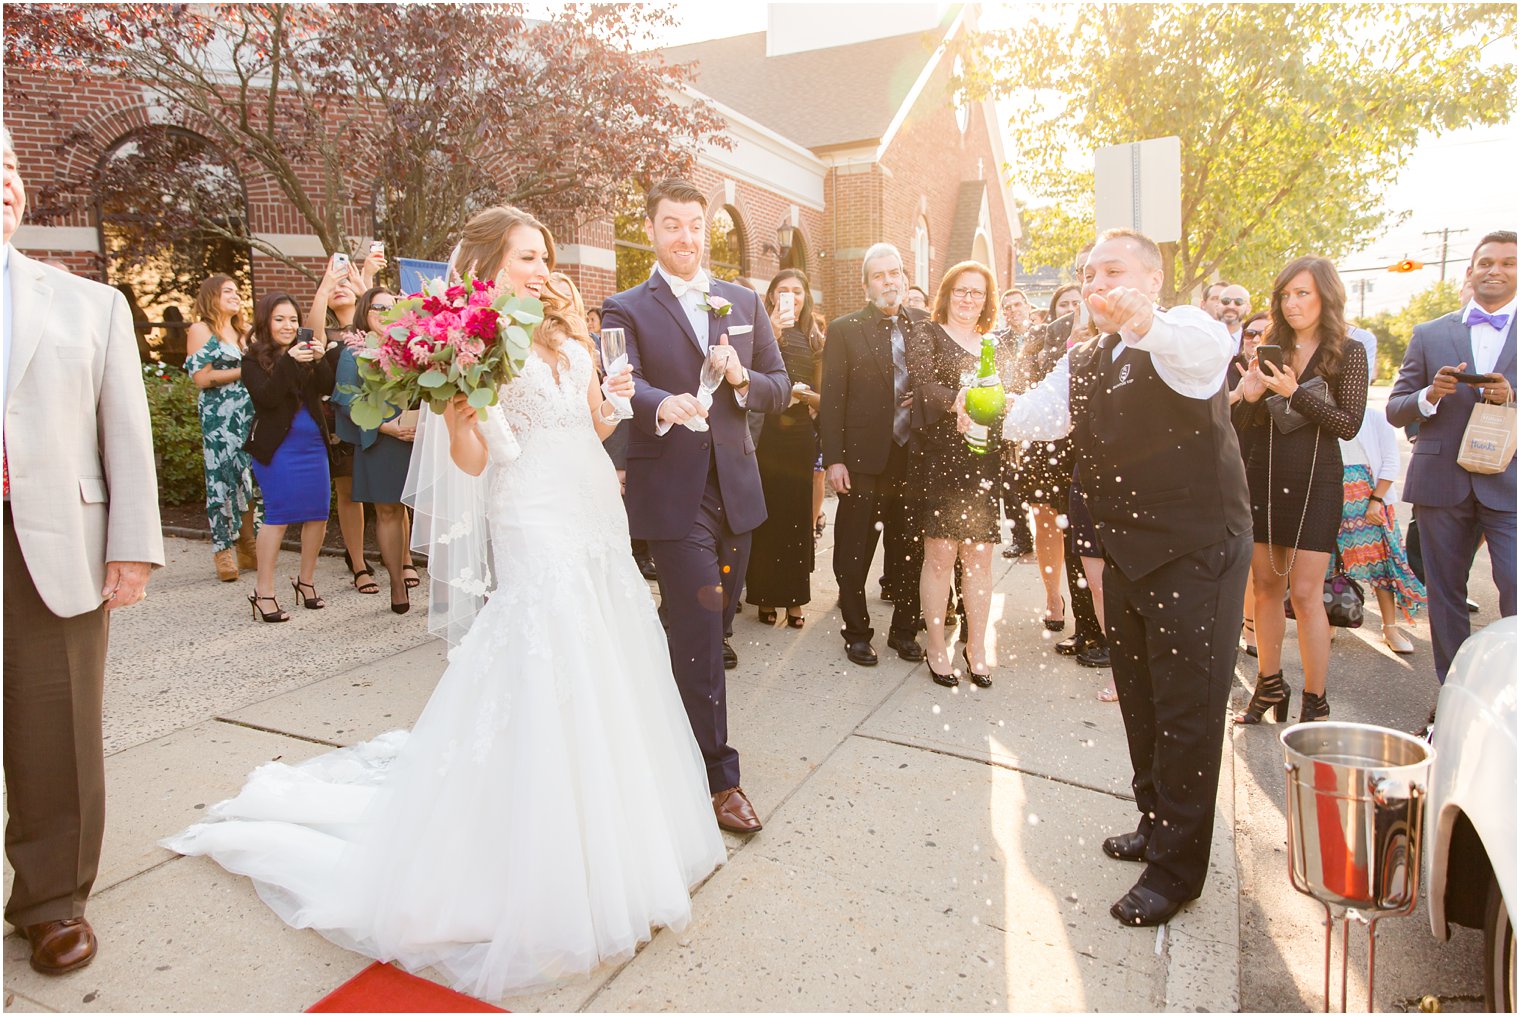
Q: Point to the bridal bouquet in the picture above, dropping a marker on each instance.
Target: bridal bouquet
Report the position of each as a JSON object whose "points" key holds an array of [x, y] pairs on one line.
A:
{"points": [[467, 339]]}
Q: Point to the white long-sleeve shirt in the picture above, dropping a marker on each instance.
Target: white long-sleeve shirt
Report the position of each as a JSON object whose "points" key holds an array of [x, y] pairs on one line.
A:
{"points": [[1190, 351], [1376, 446]]}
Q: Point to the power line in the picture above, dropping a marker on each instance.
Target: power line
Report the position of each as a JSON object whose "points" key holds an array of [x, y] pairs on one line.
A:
{"points": [[1445, 233]]}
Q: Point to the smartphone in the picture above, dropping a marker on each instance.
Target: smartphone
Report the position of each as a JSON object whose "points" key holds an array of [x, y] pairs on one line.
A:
{"points": [[1471, 379], [787, 304], [1271, 354], [377, 246], [340, 262], [303, 337]]}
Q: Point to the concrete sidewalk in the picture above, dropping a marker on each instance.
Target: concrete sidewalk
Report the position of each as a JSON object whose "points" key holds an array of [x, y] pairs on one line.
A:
{"points": [[924, 848]]}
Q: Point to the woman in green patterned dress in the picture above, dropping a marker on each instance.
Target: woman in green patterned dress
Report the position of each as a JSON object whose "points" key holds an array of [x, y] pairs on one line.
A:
{"points": [[215, 364]]}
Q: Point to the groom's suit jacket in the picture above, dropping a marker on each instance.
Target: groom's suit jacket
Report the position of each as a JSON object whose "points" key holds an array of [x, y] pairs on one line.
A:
{"points": [[1434, 478], [667, 473], [79, 446]]}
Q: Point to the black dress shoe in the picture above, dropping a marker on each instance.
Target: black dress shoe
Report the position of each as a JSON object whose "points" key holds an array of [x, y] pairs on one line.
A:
{"points": [[1126, 846], [860, 654], [1472, 606], [646, 567], [730, 658], [1072, 645], [1094, 656], [1142, 908], [907, 647]]}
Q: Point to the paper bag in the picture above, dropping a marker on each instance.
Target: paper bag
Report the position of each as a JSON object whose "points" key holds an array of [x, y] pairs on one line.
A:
{"points": [[1488, 445]]}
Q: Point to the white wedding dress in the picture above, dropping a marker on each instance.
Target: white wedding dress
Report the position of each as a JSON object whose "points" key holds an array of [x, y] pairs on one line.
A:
{"points": [[550, 805]]}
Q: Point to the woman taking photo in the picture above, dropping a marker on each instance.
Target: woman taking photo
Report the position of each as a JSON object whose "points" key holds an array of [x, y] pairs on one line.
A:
{"points": [[381, 457], [1251, 336], [215, 363], [959, 488], [781, 556], [1294, 419], [288, 380]]}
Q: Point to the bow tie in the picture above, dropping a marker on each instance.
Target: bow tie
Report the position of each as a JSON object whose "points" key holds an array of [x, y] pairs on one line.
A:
{"points": [[1479, 316], [680, 287]]}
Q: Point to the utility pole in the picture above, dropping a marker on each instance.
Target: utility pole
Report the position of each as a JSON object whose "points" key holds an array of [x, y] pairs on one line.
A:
{"points": [[1445, 235], [1362, 288]]}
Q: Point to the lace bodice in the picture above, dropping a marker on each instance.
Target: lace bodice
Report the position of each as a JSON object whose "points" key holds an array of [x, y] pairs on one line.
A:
{"points": [[535, 401]]}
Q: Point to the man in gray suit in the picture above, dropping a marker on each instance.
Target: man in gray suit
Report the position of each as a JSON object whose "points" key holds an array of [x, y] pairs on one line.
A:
{"points": [[1452, 506], [81, 535]]}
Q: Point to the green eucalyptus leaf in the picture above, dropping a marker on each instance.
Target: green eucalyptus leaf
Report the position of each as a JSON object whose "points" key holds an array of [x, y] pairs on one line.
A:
{"points": [[432, 379]]}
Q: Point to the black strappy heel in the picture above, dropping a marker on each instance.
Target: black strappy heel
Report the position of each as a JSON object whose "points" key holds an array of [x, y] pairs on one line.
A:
{"points": [[312, 602], [260, 614]]}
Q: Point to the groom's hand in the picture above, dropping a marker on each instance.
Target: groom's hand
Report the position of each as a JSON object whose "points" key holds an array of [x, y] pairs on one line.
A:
{"points": [[733, 370], [677, 409]]}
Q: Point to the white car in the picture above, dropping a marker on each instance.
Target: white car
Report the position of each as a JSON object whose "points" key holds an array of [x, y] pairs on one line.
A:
{"points": [[1470, 822]]}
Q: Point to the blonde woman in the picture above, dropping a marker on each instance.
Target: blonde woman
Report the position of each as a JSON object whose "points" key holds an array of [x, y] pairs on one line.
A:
{"points": [[960, 509], [214, 361]]}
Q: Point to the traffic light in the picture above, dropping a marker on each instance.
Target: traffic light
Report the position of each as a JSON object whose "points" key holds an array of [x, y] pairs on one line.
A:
{"points": [[1406, 265]]}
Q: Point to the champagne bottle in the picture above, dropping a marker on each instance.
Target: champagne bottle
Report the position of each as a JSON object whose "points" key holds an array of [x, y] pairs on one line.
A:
{"points": [[984, 400]]}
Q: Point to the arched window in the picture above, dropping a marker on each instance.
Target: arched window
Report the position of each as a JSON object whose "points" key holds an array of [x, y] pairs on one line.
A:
{"points": [[171, 210], [792, 247], [921, 255], [630, 244], [726, 246]]}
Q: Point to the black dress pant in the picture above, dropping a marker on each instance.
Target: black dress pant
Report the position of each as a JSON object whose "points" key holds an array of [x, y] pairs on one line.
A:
{"points": [[884, 495], [1172, 636]]}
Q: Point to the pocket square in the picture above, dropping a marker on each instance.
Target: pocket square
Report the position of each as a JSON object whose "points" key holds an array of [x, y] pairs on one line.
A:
{"points": [[740, 329]]}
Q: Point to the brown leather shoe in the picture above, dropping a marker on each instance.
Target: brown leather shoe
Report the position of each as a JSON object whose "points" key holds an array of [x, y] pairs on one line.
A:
{"points": [[734, 811], [59, 947], [226, 564]]}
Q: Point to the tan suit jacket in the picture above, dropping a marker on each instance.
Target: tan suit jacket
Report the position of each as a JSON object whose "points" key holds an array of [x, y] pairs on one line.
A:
{"points": [[78, 442]]}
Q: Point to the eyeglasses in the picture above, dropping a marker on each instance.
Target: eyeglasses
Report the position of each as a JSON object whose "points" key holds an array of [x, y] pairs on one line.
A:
{"points": [[969, 294], [1238, 301]]}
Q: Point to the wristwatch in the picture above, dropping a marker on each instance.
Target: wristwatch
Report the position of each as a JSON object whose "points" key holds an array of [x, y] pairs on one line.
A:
{"points": [[742, 385], [1374, 497]]}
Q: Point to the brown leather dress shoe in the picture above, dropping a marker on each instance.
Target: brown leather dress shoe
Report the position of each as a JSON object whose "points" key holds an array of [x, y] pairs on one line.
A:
{"points": [[734, 811], [59, 947]]}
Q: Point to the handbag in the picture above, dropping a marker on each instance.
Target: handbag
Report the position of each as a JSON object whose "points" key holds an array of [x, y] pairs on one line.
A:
{"points": [[1344, 599], [1285, 417], [1488, 443]]}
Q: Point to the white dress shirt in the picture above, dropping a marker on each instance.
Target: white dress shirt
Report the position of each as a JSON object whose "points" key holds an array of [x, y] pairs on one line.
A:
{"points": [[692, 302], [1487, 344], [5, 376], [1190, 351], [1375, 446]]}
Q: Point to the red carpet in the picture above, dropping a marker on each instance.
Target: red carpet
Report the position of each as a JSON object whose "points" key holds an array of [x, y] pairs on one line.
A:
{"points": [[381, 987]]}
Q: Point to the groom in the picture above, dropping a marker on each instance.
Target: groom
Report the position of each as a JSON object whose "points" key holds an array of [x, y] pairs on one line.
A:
{"points": [[694, 495]]}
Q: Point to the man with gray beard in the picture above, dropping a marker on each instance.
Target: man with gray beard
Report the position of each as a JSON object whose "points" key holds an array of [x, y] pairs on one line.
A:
{"points": [[864, 423]]}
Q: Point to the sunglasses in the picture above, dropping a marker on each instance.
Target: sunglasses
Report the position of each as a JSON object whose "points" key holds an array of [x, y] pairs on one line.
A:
{"points": [[1255, 333], [380, 308], [1238, 301]]}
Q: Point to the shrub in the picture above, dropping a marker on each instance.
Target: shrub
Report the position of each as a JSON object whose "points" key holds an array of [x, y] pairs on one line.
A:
{"points": [[176, 434]]}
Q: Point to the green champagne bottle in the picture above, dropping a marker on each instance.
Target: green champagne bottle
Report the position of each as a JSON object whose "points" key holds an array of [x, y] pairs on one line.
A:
{"points": [[984, 400]]}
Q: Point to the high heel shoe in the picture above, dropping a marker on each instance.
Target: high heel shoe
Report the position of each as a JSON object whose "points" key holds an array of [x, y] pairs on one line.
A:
{"points": [[980, 680], [260, 614], [1314, 707], [1249, 627], [312, 602], [1056, 624], [795, 620], [406, 604], [1271, 693], [766, 617]]}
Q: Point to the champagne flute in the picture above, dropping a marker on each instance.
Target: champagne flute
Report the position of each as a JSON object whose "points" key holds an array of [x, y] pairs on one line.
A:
{"points": [[707, 384], [614, 360]]}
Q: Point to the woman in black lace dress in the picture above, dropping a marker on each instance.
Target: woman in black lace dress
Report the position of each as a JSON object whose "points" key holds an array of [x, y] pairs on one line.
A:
{"points": [[1294, 472], [959, 489]]}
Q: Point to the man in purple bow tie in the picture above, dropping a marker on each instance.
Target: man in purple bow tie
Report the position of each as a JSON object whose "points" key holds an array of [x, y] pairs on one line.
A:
{"points": [[1452, 506]]}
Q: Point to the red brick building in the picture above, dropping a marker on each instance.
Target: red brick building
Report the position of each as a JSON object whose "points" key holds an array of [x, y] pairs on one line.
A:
{"points": [[835, 147]]}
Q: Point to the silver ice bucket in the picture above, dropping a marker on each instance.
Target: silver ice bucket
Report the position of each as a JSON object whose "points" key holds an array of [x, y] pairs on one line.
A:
{"points": [[1356, 808]]}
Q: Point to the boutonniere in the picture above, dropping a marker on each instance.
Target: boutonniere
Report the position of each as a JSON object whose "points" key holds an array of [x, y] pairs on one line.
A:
{"points": [[716, 306]]}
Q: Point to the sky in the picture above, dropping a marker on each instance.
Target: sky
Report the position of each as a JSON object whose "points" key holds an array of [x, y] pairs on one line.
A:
{"points": [[1462, 180]]}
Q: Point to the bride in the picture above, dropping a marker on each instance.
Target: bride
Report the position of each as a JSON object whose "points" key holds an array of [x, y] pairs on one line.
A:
{"points": [[550, 805]]}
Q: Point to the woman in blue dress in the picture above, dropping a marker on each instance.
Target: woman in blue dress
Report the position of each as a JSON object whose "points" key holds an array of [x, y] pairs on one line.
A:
{"points": [[215, 364], [381, 458], [287, 380]]}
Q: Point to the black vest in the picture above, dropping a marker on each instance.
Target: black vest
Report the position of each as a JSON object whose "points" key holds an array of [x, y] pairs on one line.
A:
{"points": [[1162, 472]]}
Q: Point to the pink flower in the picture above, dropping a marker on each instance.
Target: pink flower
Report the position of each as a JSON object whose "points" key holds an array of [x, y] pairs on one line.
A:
{"points": [[483, 325]]}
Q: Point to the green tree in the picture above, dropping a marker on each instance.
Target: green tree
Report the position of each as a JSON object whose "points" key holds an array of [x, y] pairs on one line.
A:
{"points": [[1293, 117], [1395, 329]]}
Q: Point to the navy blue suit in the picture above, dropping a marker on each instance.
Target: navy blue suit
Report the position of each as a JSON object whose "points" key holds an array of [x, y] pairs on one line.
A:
{"points": [[696, 497], [1452, 506]]}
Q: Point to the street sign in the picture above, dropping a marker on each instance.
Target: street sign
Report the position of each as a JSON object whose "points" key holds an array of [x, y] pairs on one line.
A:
{"points": [[1139, 186]]}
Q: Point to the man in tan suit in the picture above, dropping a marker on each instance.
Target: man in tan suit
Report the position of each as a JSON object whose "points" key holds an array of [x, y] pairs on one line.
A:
{"points": [[81, 535]]}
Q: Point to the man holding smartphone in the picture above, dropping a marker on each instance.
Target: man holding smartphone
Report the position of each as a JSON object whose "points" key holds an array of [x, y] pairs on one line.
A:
{"points": [[1452, 363]]}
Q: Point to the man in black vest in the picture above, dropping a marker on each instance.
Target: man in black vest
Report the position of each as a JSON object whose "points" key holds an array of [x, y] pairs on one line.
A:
{"points": [[1147, 413], [864, 426]]}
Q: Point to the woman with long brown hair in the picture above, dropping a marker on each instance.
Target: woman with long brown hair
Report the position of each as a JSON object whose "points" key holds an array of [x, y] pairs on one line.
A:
{"points": [[781, 555], [1294, 419], [214, 361], [288, 379]]}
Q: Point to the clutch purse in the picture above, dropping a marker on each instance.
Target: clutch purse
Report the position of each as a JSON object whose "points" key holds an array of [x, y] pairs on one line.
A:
{"points": [[1287, 419]]}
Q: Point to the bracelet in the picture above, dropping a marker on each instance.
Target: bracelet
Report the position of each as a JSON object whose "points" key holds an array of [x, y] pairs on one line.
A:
{"points": [[603, 414], [1374, 497]]}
